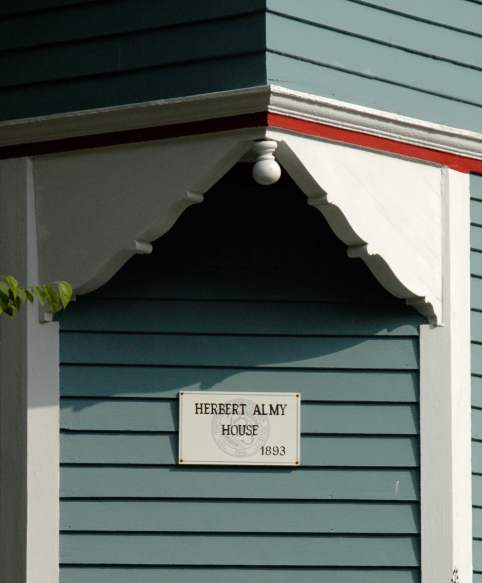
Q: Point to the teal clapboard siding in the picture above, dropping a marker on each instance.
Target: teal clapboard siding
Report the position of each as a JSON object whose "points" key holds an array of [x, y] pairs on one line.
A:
{"points": [[387, 54], [394, 55], [248, 291], [476, 331], [257, 575], [67, 56]]}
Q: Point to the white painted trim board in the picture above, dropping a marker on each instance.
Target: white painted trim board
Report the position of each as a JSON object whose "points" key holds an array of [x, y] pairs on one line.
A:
{"points": [[264, 98]]}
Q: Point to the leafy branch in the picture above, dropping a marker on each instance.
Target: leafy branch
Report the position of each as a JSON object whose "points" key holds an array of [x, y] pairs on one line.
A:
{"points": [[56, 295]]}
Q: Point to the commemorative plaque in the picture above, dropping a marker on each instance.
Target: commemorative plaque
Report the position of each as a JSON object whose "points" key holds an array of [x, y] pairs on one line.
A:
{"points": [[259, 429]]}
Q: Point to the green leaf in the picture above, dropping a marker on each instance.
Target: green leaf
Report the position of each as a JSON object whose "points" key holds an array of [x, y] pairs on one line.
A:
{"points": [[13, 284], [39, 292], [11, 310], [4, 297], [53, 298], [65, 292], [56, 295], [22, 296]]}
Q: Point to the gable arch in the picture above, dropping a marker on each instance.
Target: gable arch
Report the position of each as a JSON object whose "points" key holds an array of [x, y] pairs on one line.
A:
{"points": [[103, 205]]}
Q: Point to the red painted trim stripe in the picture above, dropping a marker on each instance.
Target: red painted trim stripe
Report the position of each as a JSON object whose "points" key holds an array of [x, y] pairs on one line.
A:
{"points": [[454, 161], [221, 124], [255, 120]]}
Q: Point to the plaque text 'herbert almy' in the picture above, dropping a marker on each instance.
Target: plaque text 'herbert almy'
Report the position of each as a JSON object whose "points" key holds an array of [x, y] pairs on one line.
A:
{"points": [[239, 428]]}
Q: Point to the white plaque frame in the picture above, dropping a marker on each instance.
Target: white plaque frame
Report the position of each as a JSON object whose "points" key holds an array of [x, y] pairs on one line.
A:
{"points": [[276, 441]]}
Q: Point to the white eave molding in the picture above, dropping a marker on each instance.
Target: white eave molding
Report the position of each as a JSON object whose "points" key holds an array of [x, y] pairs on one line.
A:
{"points": [[265, 98], [375, 122]]}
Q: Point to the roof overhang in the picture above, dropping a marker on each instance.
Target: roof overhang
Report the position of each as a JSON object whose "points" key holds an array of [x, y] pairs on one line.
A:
{"points": [[267, 106]]}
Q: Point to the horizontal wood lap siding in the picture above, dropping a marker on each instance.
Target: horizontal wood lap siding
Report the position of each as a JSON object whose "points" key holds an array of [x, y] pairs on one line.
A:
{"points": [[254, 351], [461, 15], [328, 483], [218, 306], [266, 575], [62, 21], [96, 54], [31, 6], [153, 448], [387, 54], [476, 326], [362, 53]]}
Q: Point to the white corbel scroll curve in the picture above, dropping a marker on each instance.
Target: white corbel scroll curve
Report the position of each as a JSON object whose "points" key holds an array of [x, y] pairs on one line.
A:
{"points": [[96, 208], [387, 210]]}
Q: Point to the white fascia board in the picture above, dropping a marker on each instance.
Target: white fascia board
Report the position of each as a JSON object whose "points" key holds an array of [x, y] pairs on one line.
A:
{"points": [[147, 114], [223, 104], [375, 122]]}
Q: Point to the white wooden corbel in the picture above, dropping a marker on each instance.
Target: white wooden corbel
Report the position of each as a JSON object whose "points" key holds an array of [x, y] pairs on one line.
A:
{"points": [[387, 210], [103, 205], [96, 208]]}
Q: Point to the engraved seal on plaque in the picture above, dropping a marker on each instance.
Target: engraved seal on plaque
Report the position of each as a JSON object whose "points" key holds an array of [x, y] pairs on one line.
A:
{"points": [[240, 435]]}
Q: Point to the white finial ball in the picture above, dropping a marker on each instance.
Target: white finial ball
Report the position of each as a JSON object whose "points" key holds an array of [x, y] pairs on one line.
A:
{"points": [[266, 170]]}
